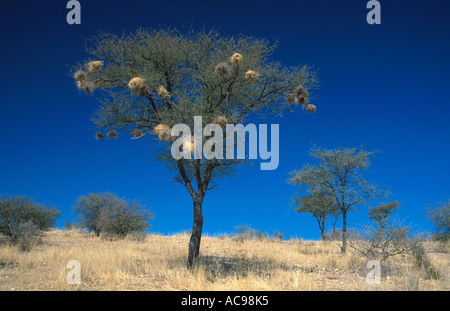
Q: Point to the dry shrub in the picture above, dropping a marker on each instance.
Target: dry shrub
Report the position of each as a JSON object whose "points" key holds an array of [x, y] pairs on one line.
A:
{"points": [[26, 235]]}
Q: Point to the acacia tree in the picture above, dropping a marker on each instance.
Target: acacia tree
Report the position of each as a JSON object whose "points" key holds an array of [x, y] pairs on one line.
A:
{"points": [[151, 80], [385, 238], [339, 176], [319, 206]]}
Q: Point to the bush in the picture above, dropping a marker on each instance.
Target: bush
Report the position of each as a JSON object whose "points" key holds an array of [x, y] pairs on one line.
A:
{"points": [[382, 243], [277, 235], [20, 213], [245, 232], [439, 216], [26, 235], [336, 235], [112, 217], [88, 209], [423, 261]]}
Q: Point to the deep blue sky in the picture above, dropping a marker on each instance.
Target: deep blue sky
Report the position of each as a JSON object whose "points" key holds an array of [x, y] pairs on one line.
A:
{"points": [[385, 87]]}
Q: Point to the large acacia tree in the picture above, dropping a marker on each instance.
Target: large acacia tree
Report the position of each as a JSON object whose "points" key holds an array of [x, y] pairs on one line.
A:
{"points": [[149, 80]]}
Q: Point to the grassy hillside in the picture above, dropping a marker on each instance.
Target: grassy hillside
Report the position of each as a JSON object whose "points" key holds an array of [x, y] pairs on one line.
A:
{"points": [[159, 263]]}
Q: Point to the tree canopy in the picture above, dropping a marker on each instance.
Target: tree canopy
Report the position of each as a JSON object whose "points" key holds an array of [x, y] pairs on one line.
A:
{"points": [[150, 80]]}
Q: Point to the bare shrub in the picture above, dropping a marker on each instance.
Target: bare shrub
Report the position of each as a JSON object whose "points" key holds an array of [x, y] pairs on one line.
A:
{"points": [[245, 232], [423, 261], [25, 235]]}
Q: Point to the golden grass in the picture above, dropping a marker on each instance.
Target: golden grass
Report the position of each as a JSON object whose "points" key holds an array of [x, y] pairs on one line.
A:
{"points": [[159, 263]]}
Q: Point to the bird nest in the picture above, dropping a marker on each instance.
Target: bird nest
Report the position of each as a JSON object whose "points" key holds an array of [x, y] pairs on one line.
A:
{"points": [[251, 76], [236, 59], [95, 66]]}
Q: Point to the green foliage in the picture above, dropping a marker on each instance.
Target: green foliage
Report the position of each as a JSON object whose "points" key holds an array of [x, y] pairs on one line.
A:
{"points": [[439, 216], [107, 214], [337, 176], [381, 214], [17, 211], [151, 80], [182, 75], [88, 210], [319, 206], [122, 217]]}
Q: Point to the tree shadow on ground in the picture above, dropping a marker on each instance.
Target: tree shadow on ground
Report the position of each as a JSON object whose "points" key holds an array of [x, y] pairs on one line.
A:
{"points": [[216, 267]]}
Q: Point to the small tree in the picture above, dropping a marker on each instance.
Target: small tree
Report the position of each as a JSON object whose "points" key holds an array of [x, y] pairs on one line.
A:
{"points": [[339, 176], [381, 214], [319, 206], [106, 213], [88, 210], [122, 217], [384, 238], [439, 216], [153, 80], [18, 213]]}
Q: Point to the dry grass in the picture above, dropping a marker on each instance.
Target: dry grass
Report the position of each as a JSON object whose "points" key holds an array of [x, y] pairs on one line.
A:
{"points": [[159, 263]]}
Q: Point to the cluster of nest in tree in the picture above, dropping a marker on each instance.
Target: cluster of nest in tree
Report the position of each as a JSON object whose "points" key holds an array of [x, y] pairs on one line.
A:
{"points": [[221, 121], [95, 66], [111, 134], [163, 132], [81, 77], [301, 96], [137, 85], [236, 60]]}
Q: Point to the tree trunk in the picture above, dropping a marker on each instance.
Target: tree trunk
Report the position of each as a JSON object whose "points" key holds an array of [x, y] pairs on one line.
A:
{"points": [[196, 236], [334, 224], [344, 232], [322, 230]]}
